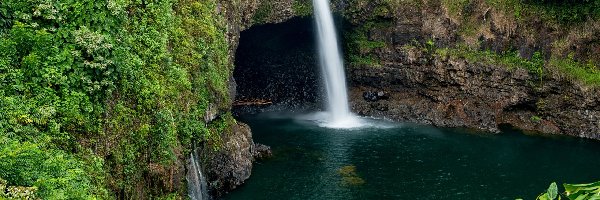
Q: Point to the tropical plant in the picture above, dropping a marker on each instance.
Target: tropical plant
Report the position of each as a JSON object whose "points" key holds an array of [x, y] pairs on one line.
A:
{"points": [[588, 191]]}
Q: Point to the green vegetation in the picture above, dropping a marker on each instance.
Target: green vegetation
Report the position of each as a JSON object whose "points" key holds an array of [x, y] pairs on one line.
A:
{"points": [[587, 73], [13, 192], [302, 8], [371, 11], [94, 93], [536, 118], [265, 9], [564, 12], [572, 192], [458, 7], [359, 48], [510, 59], [55, 174]]}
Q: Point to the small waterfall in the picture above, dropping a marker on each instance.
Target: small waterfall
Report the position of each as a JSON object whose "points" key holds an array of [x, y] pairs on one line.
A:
{"points": [[197, 187], [332, 68]]}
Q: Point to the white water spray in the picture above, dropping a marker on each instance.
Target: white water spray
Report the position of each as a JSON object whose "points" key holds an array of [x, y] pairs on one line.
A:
{"points": [[197, 187], [339, 115]]}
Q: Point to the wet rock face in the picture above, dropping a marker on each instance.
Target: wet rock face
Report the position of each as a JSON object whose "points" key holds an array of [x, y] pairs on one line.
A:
{"points": [[262, 152], [232, 165], [453, 92], [229, 167]]}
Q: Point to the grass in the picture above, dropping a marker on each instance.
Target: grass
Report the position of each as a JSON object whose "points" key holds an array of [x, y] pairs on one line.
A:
{"points": [[456, 7], [510, 59], [587, 73], [562, 12]]}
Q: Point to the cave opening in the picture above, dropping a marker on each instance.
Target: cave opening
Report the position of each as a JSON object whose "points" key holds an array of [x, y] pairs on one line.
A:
{"points": [[276, 66]]}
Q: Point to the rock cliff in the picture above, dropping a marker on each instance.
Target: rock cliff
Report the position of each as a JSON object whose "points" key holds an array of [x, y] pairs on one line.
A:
{"points": [[394, 47], [399, 67]]}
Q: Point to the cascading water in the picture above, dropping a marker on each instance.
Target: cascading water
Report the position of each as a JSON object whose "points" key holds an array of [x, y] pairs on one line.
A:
{"points": [[339, 115], [197, 187]]}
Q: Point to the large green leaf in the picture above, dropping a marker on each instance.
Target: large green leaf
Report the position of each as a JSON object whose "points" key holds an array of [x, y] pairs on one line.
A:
{"points": [[582, 197], [583, 191], [543, 196], [552, 191]]}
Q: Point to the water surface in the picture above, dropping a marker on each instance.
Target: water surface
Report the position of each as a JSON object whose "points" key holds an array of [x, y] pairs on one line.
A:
{"points": [[410, 162]]}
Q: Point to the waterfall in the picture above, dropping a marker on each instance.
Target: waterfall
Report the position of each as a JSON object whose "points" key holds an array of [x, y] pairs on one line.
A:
{"points": [[339, 115], [197, 187]]}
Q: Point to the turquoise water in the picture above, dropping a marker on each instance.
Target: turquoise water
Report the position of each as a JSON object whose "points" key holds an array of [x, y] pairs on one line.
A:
{"points": [[406, 161]]}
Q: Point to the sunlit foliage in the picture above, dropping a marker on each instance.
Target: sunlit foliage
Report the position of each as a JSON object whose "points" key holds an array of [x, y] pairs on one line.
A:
{"points": [[102, 89]]}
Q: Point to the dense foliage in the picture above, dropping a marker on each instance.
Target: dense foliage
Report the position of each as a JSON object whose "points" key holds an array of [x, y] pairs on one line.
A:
{"points": [[94, 93]]}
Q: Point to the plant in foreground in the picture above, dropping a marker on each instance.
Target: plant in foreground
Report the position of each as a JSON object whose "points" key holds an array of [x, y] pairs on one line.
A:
{"points": [[587, 191]]}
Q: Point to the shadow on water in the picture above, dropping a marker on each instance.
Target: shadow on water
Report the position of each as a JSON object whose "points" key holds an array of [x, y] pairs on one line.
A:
{"points": [[410, 162]]}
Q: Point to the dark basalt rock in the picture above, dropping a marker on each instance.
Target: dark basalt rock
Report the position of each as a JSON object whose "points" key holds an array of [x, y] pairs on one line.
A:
{"points": [[261, 152], [370, 96], [229, 167], [375, 96], [382, 95], [453, 92], [380, 106]]}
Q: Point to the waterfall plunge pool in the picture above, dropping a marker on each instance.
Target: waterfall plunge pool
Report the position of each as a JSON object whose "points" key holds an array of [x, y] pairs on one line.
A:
{"points": [[382, 160], [407, 161]]}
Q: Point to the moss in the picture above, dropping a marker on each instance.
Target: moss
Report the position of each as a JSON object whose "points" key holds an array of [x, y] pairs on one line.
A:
{"points": [[359, 47], [302, 7], [457, 8], [263, 12], [360, 11]]}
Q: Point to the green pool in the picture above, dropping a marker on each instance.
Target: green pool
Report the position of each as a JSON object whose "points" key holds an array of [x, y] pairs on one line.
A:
{"points": [[407, 161]]}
